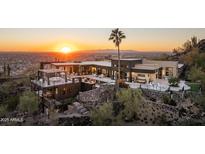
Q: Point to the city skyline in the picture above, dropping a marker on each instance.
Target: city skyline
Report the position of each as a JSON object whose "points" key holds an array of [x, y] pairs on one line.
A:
{"points": [[75, 39]]}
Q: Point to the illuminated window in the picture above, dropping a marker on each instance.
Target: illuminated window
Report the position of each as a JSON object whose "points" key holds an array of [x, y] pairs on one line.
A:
{"points": [[64, 91], [141, 75], [56, 91], [169, 71]]}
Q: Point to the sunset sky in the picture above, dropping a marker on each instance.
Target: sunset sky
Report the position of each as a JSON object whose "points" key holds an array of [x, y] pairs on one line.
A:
{"points": [[93, 39]]}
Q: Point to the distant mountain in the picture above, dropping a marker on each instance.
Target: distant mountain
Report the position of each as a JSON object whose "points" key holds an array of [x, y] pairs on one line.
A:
{"points": [[122, 51], [87, 54]]}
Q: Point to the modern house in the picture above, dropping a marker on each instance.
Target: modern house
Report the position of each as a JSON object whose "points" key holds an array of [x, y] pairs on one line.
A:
{"points": [[59, 80], [132, 70]]}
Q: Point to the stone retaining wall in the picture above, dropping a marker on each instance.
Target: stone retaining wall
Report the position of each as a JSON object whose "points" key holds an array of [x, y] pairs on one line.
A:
{"points": [[158, 95], [96, 96], [75, 121], [149, 112], [152, 113]]}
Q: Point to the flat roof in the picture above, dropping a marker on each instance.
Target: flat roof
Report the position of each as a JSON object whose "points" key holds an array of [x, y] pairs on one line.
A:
{"points": [[100, 63], [58, 82], [129, 59], [50, 70], [146, 67], [160, 62]]}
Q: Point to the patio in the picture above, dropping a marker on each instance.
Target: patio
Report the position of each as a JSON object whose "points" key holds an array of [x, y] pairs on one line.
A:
{"points": [[160, 85]]}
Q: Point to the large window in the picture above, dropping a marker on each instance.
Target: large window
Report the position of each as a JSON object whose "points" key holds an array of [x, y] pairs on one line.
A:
{"points": [[169, 71], [64, 91], [56, 91], [93, 69], [141, 75]]}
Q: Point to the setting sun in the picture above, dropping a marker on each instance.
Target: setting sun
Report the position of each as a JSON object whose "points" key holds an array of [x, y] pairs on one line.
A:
{"points": [[65, 50]]}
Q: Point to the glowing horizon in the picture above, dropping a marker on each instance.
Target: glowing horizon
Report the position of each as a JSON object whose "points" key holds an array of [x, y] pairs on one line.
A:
{"points": [[54, 39]]}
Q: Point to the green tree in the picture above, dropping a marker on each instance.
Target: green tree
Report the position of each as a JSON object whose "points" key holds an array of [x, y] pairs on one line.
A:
{"points": [[116, 36], [173, 81], [190, 57], [28, 102], [189, 45], [103, 115], [130, 100], [194, 42], [196, 74], [199, 61]]}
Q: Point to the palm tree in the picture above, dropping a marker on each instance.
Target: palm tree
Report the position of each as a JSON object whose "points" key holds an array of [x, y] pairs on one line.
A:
{"points": [[116, 36], [187, 47], [194, 42]]}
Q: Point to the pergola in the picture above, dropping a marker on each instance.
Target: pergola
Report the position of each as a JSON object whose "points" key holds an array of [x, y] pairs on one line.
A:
{"points": [[48, 73]]}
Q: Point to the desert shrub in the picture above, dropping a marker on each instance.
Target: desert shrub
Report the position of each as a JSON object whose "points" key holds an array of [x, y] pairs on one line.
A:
{"points": [[172, 102], [28, 102], [125, 108], [12, 103], [103, 115], [3, 110], [200, 100], [167, 100], [173, 81], [130, 99], [68, 101], [65, 103]]}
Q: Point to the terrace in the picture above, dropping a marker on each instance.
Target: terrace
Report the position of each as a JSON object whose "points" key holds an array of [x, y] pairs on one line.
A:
{"points": [[160, 85], [64, 78], [53, 77], [137, 73]]}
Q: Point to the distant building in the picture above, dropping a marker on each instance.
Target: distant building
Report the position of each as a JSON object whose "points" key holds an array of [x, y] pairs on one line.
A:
{"points": [[6, 71]]}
